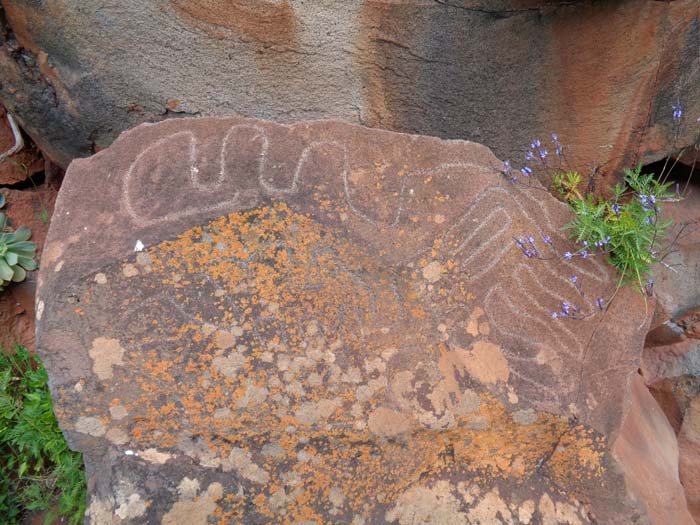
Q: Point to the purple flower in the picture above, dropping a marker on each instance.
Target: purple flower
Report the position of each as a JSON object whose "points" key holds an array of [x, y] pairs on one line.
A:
{"points": [[585, 243], [526, 171], [558, 151], [652, 199], [535, 144], [555, 137], [677, 111], [566, 306], [543, 153], [555, 315], [568, 256], [584, 254], [547, 239], [529, 155], [606, 240], [649, 220], [573, 279], [506, 167], [649, 287], [616, 208], [600, 302]]}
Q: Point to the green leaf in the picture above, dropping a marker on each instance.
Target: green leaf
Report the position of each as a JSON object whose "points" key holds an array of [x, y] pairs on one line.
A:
{"points": [[23, 246], [24, 253], [18, 274], [23, 233], [11, 258], [27, 263], [5, 270]]}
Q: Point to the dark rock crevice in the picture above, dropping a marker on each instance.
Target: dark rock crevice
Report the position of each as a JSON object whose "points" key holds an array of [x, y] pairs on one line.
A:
{"points": [[502, 13]]}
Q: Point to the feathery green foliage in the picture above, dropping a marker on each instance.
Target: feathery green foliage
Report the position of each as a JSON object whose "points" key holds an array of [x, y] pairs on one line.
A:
{"points": [[628, 225], [37, 470]]}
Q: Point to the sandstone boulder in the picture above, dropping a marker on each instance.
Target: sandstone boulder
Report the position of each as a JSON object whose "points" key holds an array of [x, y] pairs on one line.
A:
{"points": [[648, 450], [602, 74], [671, 359], [671, 370], [247, 322]]}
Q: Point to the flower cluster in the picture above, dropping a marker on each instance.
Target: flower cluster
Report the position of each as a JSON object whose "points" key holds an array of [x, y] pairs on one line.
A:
{"points": [[530, 250], [574, 311], [627, 229], [537, 153], [677, 111]]}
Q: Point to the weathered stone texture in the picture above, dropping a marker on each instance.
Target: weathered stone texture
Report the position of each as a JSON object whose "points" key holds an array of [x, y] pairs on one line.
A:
{"points": [[671, 359], [648, 451], [328, 324], [602, 74]]}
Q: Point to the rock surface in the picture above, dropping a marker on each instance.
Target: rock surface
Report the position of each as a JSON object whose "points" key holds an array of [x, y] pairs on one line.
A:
{"points": [[689, 461], [671, 359], [671, 370], [648, 451], [500, 73], [329, 323]]}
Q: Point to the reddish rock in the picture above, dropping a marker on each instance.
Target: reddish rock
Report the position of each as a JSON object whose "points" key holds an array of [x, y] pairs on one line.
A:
{"points": [[689, 444], [15, 329], [500, 73], [690, 323], [677, 283], [672, 373], [680, 358], [671, 369], [648, 452], [331, 323]]}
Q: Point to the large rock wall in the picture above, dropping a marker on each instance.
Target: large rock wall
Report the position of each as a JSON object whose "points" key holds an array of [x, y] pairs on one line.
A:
{"points": [[602, 74]]}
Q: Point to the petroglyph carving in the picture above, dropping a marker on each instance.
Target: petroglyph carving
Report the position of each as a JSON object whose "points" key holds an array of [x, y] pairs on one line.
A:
{"points": [[480, 239]]}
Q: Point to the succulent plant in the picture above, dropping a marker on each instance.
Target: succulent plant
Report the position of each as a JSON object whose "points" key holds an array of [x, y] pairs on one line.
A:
{"points": [[16, 251]]}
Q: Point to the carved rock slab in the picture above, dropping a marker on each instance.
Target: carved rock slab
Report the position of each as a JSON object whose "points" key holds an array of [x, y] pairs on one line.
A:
{"points": [[328, 324]]}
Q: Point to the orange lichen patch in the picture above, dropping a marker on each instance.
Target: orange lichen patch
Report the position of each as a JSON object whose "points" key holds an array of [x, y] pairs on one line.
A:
{"points": [[577, 457], [268, 346]]}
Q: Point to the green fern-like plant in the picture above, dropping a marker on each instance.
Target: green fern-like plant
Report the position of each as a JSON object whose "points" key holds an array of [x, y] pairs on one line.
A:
{"points": [[37, 469], [628, 226], [17, 252]]}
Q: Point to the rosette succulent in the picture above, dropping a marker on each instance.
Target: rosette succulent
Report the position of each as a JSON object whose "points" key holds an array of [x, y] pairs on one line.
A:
{"points": [[16, 251]]}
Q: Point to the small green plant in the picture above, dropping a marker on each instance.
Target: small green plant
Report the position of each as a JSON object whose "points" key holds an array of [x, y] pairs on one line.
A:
{"points": [[16, 251], [628, 226], [567, 185], [37, 470]]}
